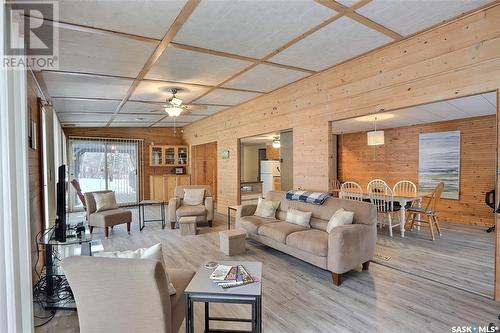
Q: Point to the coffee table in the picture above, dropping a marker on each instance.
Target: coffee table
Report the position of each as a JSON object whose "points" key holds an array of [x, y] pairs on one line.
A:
{"points": [[202, 289]]}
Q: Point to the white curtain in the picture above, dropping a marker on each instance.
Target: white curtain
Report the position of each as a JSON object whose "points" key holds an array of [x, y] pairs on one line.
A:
{"points": [[16, 307]]}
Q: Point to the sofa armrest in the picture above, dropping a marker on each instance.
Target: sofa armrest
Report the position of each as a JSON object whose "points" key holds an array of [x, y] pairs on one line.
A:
{"points": [[244, 210], [173, 204], [209, 205], [351, 245]]}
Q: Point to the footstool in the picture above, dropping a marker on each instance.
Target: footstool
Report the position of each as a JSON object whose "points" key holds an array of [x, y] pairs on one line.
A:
{"points": [[232, 242], [187, 225]]}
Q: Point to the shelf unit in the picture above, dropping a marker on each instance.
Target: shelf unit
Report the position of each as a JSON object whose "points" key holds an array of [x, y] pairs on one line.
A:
{"points": [[160, 155]]}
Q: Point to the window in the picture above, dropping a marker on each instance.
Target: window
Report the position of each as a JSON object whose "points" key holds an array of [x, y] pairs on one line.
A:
{"points": [[105, 164]]}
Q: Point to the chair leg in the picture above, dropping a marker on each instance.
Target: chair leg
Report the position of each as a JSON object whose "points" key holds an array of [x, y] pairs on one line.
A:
{"points": [[437, 225], [106, 232], [91, 229], [128, 227], [389, 216], [337, 279], [431, 226], [366, 265], [172, 225], [412, 221], [210, 224]]}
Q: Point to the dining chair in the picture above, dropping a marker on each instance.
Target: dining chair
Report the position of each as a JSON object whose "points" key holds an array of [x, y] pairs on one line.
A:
{"points": [[377, 185], [430, 211], [382, 198], [335, 188], [405, 187], [351, 191]]}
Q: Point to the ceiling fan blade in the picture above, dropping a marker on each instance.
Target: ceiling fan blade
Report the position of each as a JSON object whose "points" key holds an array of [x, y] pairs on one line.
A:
{"points": [[157, 110], [196, 107]]}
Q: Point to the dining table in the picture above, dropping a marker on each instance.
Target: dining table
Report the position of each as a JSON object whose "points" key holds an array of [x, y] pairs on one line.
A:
{"points": [[401, 198]]}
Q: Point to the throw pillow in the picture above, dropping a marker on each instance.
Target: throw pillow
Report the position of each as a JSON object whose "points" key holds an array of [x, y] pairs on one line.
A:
{"points": [[105, 201], [194, 196], [340, 217], [153, 252], [266, 208], [298, 217]]}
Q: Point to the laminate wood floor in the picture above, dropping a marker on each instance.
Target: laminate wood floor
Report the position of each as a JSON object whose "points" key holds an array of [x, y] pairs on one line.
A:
{"points": [[464, 256], [299, 297]]}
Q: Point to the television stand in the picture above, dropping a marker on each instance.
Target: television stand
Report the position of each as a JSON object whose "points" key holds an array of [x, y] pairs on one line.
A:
{"points": [[57, 294]]}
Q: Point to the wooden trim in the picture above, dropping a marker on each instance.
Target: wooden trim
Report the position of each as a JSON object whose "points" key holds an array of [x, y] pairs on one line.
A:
{"points": [[169, 36], [359, 18]]}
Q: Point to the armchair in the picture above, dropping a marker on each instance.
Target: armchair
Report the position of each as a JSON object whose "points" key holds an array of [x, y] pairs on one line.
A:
{"points": [[126, 295], [106, 218], [203, 213]]}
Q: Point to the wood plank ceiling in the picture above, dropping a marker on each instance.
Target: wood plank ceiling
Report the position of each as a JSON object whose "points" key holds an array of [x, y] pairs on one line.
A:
{"points": [[119, 60]]}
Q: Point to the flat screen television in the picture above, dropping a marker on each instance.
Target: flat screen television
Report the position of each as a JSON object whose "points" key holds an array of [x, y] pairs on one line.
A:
{"points": [[60, 226]]}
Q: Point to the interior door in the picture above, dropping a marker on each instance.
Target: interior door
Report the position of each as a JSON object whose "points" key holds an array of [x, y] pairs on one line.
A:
{"points": [[286, 140], [205, 166]]}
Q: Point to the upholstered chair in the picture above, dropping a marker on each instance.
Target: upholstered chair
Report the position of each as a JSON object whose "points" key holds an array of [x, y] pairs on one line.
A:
{"points": [[177, 208], [117, 295], [107, 218]]}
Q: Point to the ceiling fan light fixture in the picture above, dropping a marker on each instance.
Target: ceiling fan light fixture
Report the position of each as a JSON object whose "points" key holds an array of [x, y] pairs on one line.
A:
{"points": [[173, 111], [176, 101], [276, 143]]}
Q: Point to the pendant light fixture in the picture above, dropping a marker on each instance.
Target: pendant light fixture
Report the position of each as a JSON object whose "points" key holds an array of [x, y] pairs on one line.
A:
{"points": [[375, 138]]}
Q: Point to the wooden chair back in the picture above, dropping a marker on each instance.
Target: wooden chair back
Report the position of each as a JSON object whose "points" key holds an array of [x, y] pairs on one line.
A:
{"points": [[433, 202], [351, 191], [335, 187], [377, 185], [78, 189], [405, 187], [382, 198]]}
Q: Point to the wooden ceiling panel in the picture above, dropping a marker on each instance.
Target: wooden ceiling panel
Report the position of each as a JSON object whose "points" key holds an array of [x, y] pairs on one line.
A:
{"points": [[265, 78], [226, 97], [408, 17], [143, 118], [348, 3], [138, 107], [130, 124], [70, 85], [84, 124], [81, 118], [128, 17], [160, 91], [339, 41], [459, 108], [250, 28], [210, 110], [102, 54], [194, 67], [78, 105]]}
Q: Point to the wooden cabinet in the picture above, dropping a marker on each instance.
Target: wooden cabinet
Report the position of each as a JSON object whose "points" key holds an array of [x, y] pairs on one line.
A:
{"points": [[163, 186], [168, 155]]}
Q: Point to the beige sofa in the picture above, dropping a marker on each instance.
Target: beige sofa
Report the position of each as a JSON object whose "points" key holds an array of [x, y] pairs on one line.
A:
{"points": [[203, 213], [343, 249]]}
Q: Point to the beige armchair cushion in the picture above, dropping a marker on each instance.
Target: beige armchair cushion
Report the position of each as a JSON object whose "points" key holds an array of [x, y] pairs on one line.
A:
{"points": [[279, 231], [312, 241], [105, 201], [191, 210], [193, 196], [177, 207], [109, 218]]}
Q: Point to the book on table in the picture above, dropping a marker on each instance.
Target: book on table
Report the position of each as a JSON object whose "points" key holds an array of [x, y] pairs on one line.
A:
{"points": [[231, 276]]}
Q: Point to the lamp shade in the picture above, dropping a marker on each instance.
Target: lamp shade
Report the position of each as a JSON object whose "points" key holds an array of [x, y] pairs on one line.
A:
{"points": [[375, 138], [173, 111]]}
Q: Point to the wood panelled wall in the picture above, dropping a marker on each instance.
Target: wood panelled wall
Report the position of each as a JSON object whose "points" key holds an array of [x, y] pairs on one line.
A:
{"points": [[35, 166], [397, 159], [456, 59], [204, 166], [157, 135]]}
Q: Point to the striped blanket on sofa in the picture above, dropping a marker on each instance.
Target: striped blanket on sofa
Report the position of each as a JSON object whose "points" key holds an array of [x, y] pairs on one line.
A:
{"points": [[315, 198]]}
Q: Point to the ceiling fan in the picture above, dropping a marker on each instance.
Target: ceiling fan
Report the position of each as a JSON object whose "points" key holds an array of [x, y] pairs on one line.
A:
{"points": [[175, 106]]}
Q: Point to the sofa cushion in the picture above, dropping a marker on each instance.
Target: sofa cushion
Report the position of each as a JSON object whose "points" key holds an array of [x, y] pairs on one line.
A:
{"points": [[298, 217], [279, 231], [266, 208], [252, 223], [105, 201], [186, 210], [111, 217], [180, 279], [193, 196], [312, 241]]}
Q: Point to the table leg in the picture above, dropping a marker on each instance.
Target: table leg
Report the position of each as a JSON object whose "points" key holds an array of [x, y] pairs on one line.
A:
{"points": [[228, 218], [141, 217], [162, 207], [259, 314], [207, 315], [403, 218], [189, 315]]}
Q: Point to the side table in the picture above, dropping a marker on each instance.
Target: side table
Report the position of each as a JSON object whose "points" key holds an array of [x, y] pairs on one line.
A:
{"points": [[229, 209]]}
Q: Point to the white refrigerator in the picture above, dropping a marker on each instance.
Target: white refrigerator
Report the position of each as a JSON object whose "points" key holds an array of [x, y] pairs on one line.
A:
{"points": [[268, 171]]}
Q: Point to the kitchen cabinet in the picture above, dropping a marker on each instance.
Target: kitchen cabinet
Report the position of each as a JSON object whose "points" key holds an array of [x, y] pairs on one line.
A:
{"points": [[161, 155], [163, 186]]}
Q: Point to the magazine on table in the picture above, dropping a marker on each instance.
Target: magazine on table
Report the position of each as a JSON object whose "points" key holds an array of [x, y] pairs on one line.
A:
{"points": [[231, 276]]}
